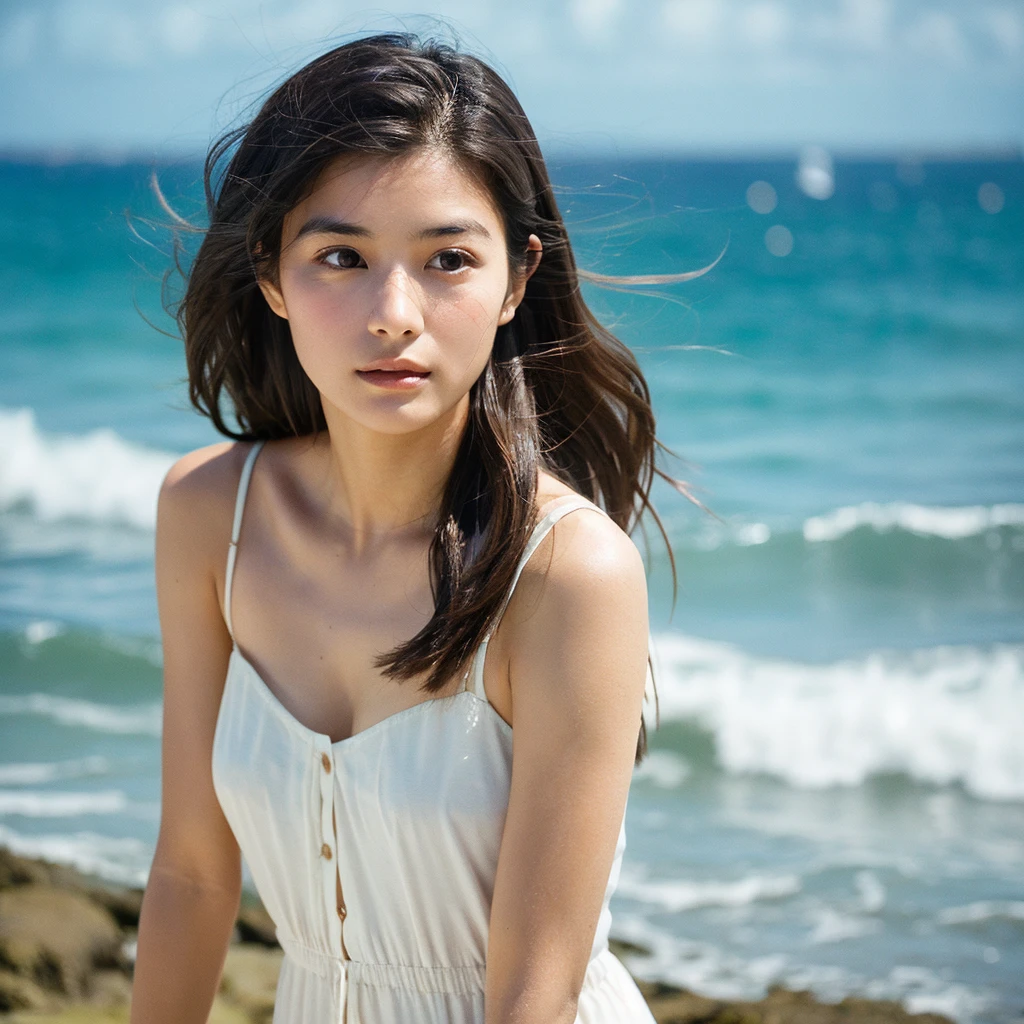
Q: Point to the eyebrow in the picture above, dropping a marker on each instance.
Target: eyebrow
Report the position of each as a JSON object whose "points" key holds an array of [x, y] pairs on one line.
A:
{"points": [[324, 225]]}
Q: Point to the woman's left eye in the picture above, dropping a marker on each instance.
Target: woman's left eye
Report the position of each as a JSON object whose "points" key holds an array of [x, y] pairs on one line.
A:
{"points": [[450, 260]]}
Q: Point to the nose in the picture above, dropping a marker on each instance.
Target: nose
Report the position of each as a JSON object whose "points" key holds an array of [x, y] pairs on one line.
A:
{"points": [[396, 312]]}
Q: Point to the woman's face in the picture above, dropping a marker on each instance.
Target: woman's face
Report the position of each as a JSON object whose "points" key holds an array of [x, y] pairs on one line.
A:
{"points": [[394, 277]]}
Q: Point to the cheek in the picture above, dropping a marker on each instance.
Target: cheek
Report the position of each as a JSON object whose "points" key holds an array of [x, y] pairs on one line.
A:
{"points": [[463, 331], [320, 329], [469, 318], [312, 310]]}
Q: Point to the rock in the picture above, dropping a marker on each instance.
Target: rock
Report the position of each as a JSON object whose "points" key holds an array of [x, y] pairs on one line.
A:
{"points": [[623, 948], [250, 980], [56, 939], [17, 993], [124, 905], [15, 870], [255, 925], [672, 1005]]}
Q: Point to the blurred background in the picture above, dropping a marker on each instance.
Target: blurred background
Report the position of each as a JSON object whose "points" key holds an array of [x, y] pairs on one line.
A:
{"points": [[835, 797]]}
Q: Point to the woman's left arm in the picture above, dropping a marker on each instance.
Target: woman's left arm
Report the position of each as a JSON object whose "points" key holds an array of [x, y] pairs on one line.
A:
{"points": [[574, 639]]}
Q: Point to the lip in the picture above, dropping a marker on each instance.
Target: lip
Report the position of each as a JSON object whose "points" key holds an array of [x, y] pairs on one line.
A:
{"points": [[394, 365], [394, 380]]}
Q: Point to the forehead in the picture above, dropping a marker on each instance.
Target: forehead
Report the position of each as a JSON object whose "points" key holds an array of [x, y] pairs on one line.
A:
{"points": [[421, 189]]}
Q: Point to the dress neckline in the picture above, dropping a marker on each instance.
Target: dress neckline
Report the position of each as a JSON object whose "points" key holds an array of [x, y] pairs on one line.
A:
{"points": [[289, 719], [473, 682]]}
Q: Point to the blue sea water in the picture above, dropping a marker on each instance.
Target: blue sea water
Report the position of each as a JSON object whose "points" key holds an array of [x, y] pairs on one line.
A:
{"points": [[835, 795]]}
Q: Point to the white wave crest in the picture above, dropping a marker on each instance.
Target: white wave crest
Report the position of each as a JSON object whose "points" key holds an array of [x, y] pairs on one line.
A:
{"points": [[662, 768], [719, 973], [33, 774], [940, 715], [949, 523], [983, 910], [98, 477], [141, 719], [831, 925], [122, 860], [674, 896], [45, 804]]}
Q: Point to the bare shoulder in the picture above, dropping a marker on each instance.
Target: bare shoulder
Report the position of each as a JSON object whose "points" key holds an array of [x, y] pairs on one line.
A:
{"points": [[585, 562], [197, 498], [202, 475], [582, 549], [574, 636]]}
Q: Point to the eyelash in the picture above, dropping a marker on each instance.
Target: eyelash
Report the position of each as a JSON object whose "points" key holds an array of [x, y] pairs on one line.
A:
{"points": [[468, 261]]}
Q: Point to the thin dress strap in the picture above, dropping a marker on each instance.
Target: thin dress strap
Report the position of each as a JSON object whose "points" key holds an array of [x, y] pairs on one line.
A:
{"points": [[236, 526], [475, 682]]}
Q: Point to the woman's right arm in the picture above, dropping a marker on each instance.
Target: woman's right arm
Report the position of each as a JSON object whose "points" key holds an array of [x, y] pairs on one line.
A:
{"points": [[192, 896]]}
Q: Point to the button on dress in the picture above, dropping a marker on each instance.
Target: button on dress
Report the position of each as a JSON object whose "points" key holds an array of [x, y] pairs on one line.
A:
{"points": [[404, 821]]}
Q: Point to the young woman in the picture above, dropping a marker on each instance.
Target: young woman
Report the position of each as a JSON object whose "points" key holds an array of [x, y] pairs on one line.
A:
{"points": [[404, 627]]}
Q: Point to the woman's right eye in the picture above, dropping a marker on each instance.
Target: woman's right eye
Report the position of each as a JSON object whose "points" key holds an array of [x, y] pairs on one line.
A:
{"points": [[342, 259]]}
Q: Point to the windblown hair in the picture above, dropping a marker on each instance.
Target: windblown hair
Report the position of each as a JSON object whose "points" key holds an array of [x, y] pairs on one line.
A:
{"points": [[559, 391]]}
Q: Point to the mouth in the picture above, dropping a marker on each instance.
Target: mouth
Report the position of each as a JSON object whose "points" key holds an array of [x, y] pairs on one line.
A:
{"points": [[402, 379]]}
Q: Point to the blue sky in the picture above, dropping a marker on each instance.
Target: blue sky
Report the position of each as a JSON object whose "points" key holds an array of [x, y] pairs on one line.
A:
{"points": [[594, 75]]}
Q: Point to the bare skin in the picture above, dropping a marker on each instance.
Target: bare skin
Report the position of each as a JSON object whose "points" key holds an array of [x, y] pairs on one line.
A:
{"points": [[332, 571]]}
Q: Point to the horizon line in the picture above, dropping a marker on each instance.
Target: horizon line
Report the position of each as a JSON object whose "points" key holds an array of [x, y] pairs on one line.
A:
{"points": [[114, 156]]}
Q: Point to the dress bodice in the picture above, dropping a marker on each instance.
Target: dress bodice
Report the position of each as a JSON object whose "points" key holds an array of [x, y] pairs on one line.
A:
{"points": [[403, 821]]}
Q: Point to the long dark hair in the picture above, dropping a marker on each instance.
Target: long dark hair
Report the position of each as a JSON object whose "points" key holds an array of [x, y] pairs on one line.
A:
{"points": [[559, 391]]}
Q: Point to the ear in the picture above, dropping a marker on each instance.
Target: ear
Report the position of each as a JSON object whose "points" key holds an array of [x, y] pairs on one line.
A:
{"points": [[534, 251], [275, 299]]}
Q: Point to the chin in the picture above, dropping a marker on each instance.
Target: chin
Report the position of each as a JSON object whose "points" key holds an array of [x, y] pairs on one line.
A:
{"points": [[393, 417]]}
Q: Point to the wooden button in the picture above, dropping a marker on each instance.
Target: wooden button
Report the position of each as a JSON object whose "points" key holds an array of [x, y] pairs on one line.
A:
{"points": [[342, 912], [325, 852], [326, 762]]}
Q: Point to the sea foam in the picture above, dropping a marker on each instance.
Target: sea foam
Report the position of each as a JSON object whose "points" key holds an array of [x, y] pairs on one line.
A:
{"points": [[945, 522], [48, 804], [36, 773], [684, 894], [983, 910], [96, 477], [720, 973], [940, 715], [141, 719], [950, 523], [118, 859]]}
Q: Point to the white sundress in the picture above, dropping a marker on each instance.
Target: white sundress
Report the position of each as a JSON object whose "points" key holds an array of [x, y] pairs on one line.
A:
{"points": [[406, 817]]}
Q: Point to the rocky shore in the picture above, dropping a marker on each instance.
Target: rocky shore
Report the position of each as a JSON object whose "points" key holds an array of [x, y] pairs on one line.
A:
{"points": [[67, 945]]}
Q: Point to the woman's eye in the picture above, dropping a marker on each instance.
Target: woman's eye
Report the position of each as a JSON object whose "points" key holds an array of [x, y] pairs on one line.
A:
{"points": [[449, 260], [343, 259]]}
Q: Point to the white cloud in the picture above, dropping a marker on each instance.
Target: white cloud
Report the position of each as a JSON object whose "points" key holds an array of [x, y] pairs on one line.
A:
{"points": [[183, 29], [936, 35], [101, 32], [595, 20], [853, 25], [127, 42], [19, 38], [601, 72], [305, 22], [867, 23], [693, 22], [766, 24], [1005, 27]]}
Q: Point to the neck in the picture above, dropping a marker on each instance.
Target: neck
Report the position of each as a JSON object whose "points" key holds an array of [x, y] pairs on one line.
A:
{"points": [[380, 485]]}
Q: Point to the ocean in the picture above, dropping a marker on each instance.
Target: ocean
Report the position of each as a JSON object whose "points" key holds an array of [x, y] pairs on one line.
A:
{"points": [[835, 794]]}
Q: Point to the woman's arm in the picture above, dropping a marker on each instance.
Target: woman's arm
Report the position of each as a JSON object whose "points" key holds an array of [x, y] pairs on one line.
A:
{"points": [[575, 640], [191, 900]]}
